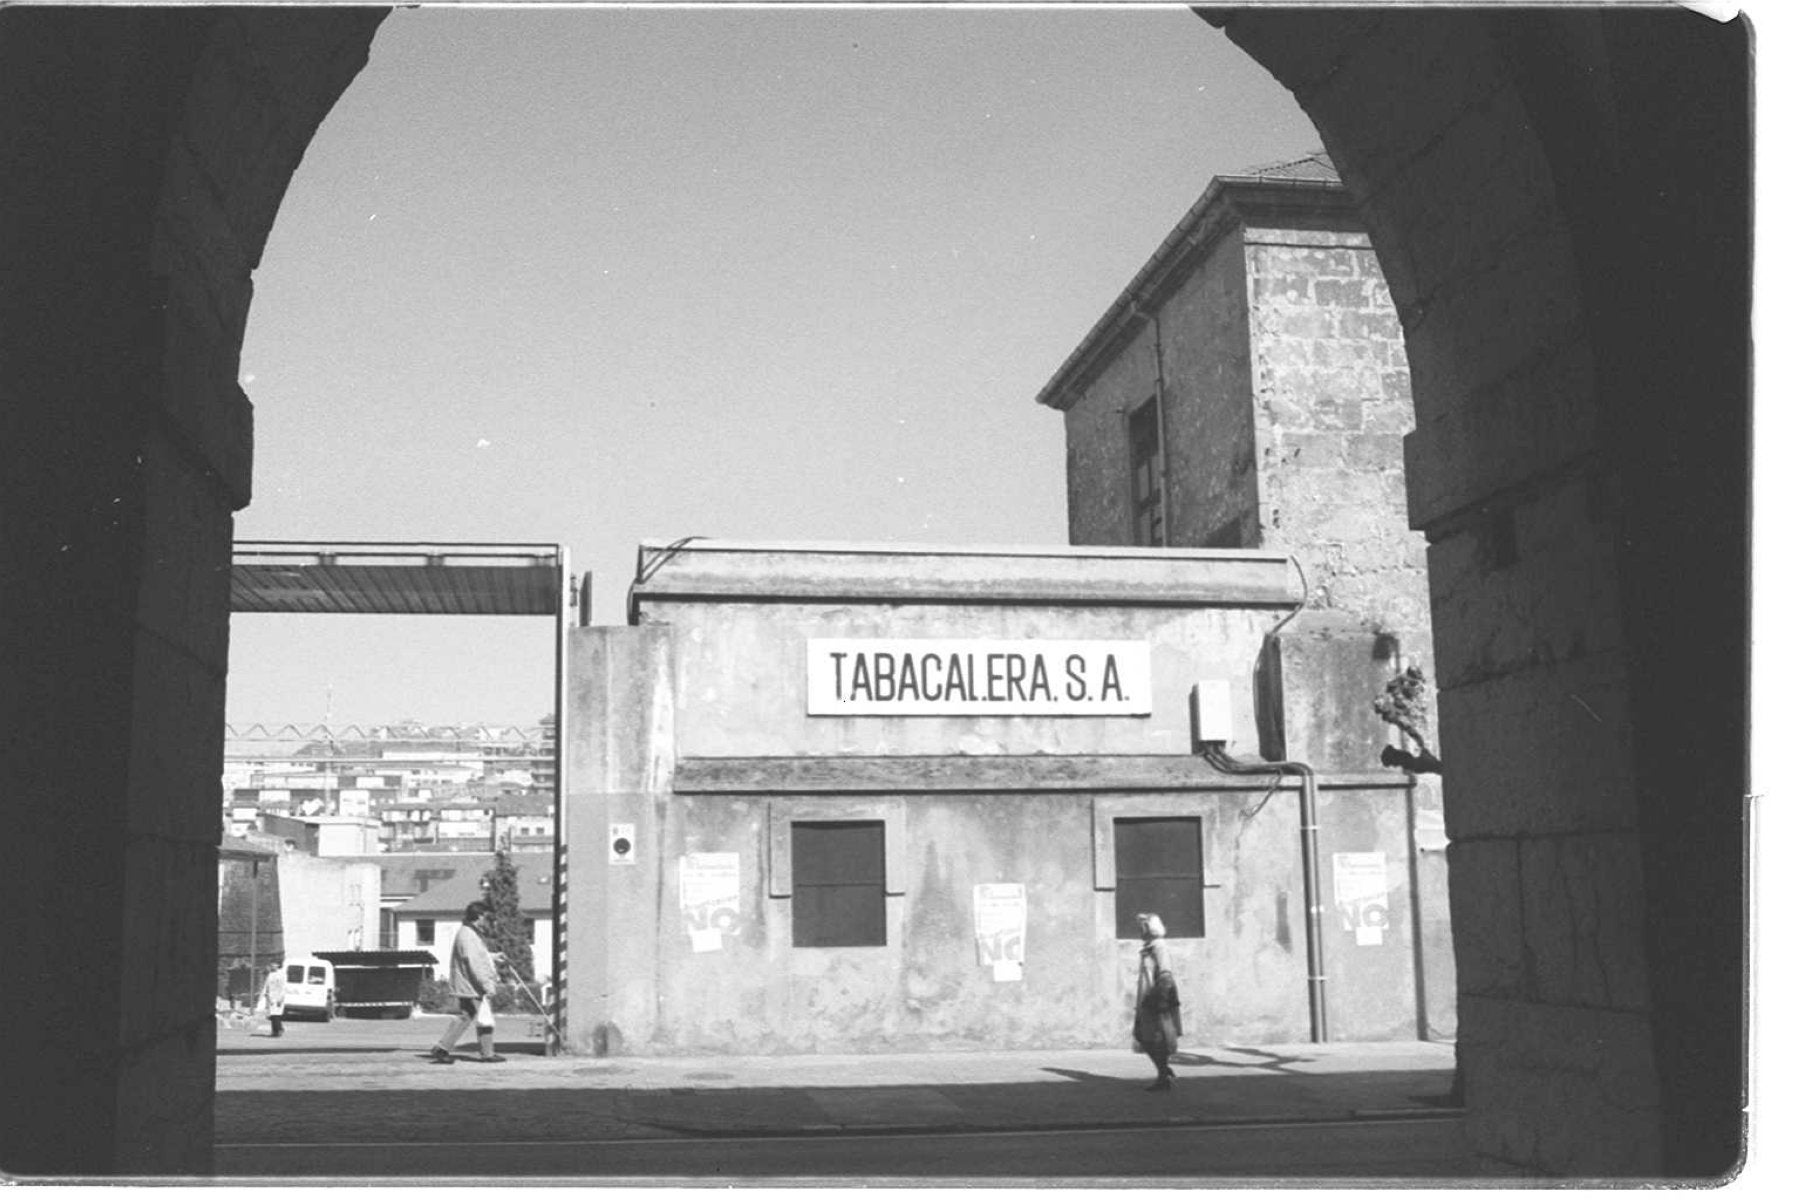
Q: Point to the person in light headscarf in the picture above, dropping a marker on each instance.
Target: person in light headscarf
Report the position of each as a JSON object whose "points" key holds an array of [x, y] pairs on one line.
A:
{"points": [[1157, 1023]]}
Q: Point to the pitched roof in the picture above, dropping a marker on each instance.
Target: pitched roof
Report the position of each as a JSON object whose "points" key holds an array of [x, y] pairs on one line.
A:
{"points": [[448, 897], [1308, 184]]}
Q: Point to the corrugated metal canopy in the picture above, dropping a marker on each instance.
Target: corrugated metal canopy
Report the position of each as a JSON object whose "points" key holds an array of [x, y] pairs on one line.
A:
{"points": [[438, 579]]}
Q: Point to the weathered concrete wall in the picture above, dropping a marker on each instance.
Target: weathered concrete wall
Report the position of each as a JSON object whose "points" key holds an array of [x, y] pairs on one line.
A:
{"points": [[1316, 682], [925, 989], [329, 905], [620, 722], [720, 649], [1316, 678], [719, 664]]}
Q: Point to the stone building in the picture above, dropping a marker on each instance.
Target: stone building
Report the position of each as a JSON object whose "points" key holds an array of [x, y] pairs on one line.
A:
{"points": [[1249, 388]]}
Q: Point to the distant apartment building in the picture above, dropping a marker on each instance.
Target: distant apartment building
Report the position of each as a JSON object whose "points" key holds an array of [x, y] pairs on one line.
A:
{"points": [[462, 790]]}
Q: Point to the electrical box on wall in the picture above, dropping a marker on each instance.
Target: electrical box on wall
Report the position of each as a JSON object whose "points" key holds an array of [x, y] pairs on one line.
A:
{"points": [[621, 845], [1212, 711]]}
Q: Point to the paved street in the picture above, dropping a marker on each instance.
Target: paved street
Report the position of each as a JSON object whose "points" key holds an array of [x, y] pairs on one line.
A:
{"points": [[355, 1099], [1415, 1148]]}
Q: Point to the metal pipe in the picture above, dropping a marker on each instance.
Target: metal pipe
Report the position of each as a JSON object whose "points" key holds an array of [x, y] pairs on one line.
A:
{"points": [[1422, 1022], [1162, 431], [255, 887], [559, 799], [1214, 753]]}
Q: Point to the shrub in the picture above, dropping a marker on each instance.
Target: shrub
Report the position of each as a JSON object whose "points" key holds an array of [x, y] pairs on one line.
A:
{"points": [[435, 997]]}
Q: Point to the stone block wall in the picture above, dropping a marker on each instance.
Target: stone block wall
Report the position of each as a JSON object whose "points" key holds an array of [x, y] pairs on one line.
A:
{"points": [[1333, 401], [148, 152], [1573, 423]]}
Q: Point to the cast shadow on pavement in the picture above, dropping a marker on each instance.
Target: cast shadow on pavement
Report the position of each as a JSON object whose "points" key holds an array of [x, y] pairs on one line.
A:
{"points": [[603, 1129]]}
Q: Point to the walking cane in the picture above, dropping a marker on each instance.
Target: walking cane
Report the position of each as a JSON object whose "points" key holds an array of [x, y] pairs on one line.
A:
{"points": [[550, 1030]]}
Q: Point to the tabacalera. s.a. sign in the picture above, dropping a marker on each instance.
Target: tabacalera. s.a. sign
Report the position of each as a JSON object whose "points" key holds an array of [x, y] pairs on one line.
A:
{"points": [[890, 677]]}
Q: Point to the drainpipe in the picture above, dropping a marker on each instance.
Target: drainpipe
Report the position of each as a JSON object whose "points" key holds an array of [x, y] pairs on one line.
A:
{"points": [[1214, 753]]}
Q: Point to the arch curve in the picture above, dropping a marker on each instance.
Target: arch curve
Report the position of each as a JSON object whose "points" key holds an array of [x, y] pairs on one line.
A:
{"points": [[1559, 203]]}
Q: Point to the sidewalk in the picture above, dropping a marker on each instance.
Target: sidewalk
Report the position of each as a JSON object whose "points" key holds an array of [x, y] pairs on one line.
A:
{"points": [[316, 1085]]}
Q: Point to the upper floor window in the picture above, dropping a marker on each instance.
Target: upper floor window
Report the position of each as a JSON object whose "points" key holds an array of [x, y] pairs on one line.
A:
{"points": [[1145, 436], [424, 932]]}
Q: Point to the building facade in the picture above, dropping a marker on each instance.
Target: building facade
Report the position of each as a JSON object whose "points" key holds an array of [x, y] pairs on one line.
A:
{"points": [[900, 798]]}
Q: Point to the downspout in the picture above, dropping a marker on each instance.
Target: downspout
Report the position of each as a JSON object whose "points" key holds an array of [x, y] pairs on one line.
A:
{"points": [[1214, 753]]}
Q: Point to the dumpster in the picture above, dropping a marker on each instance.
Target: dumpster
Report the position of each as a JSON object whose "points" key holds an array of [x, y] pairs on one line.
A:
{"points": [[378, 983]]}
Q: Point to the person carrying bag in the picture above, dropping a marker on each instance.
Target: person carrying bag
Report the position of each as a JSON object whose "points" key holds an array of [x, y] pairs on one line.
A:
{"points": [[473, 979]]}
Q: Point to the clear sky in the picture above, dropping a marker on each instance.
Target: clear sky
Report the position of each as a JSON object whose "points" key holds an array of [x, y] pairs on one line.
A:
{"points": [[596, 275]]}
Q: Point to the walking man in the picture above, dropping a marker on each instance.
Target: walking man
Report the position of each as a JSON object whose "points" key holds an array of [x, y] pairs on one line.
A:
{"points": [[472, 981]]}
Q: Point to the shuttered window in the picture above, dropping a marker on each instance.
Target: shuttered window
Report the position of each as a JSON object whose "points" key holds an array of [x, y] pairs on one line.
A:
{"points": [[839, 883], [1158, 865]]}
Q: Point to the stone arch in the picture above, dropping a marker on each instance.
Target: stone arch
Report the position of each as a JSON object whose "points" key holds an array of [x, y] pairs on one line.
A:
{"points": [[147, 151], [1559, 202]]}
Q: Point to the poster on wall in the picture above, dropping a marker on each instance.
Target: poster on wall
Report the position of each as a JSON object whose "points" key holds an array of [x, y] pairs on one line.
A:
{"points": [[1359, 889], [1000, 929], [709, 898]]}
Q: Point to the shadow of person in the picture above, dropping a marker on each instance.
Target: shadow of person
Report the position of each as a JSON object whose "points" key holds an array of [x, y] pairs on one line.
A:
{"points": [[1269, 1061], [1184, 1058], [1088, 1076]]}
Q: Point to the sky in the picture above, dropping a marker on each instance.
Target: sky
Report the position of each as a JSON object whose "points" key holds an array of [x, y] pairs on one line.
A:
{"points": [[592, 276]]}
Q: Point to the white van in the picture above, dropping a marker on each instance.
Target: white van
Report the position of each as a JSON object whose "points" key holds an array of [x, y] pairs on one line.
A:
{"points": [[311, 988]]}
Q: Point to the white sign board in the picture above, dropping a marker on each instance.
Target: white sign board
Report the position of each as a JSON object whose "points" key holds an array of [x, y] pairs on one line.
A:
{"points": [[975, 677]]}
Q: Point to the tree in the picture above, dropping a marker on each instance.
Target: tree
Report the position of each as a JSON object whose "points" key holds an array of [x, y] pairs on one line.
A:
{"points": [[508, 930]]}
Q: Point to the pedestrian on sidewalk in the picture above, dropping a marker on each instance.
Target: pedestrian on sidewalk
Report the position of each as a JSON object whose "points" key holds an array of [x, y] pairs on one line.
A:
{"points": [[1157, 1023], [472, 981], [273, 997]]}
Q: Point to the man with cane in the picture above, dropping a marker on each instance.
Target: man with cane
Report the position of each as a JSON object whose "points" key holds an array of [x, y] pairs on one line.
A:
{"points": [[473, 979]]}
